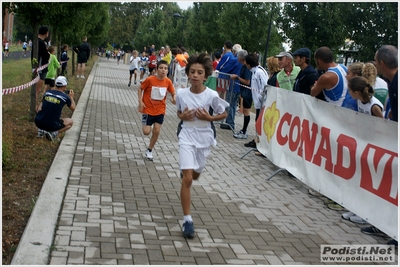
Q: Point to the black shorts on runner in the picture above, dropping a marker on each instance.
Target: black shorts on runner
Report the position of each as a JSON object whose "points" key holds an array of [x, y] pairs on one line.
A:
{"points": [[50, 82], [132, 71], [149, 120]]}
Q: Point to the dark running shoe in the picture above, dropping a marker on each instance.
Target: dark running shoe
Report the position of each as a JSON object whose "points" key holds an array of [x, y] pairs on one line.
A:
{"points": [[392, 242], [225, 126], [188, 230], [252, 144], [372, 230]]}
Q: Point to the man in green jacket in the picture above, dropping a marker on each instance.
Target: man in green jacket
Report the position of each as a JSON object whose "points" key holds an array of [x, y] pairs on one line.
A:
{"points": [[287, 76]]}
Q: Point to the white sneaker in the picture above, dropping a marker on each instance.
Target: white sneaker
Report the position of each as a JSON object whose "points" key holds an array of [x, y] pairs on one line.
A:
{"points": [[357, 219], [51, 136], [83, 77], [77, 76], [347, 215], [40, 133], [149, 155], [240, 135]]}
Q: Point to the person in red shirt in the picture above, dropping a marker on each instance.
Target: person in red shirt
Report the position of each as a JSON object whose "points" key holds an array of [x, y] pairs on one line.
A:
{"points": [[153, 63], [217, 58]]}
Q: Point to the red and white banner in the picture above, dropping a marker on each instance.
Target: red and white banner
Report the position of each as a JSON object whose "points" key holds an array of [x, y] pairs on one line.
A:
{"points": [[349, 157], [27, 85], [223, 82]]}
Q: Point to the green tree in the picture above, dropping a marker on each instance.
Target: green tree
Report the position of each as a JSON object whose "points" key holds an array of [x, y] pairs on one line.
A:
{"points": [[243, 23], [33, 14], [313, 24], [371, 25], [88, 19]]}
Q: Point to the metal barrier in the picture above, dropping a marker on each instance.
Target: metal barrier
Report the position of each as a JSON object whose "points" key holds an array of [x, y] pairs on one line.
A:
{"points": [[264, 97], [222, 83]]}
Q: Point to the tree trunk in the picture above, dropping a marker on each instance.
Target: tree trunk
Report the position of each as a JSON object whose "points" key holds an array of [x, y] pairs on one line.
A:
{"points": [[73, 62], [34, 64]]}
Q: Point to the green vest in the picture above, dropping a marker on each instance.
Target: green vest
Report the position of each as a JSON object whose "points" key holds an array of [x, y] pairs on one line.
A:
{"points": [[285, 81], [52, 68]]}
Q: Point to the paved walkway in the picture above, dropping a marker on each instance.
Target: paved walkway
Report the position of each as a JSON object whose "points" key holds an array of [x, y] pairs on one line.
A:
{"points": [[119, 208]]}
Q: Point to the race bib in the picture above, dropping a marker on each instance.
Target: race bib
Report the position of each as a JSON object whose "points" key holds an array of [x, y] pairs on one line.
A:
{"points": [[158, 93]]}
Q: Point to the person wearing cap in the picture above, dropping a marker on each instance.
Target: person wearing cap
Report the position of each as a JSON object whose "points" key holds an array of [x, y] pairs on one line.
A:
{"points": [[48, 117], [308, 75], [287, 76]]}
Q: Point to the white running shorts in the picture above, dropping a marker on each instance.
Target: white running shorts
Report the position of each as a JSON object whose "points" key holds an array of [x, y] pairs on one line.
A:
{"points": [[192, 158]]}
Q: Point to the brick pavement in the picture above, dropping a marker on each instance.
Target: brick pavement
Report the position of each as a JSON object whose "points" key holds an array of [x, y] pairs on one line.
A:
{"points": [[122, 209]]}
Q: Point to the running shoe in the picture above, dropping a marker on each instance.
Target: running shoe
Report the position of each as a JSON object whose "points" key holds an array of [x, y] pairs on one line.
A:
{"points": [[392, 242], [51, 136], [188, 230], [347, 215], [240, 135], [251, 144], [372, 230], [149, 155], [357, 219], [40, 133]]}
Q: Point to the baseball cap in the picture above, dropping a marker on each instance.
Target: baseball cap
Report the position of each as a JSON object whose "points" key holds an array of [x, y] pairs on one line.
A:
{"points": [[285, 54], [303, 52], [61, 81]]}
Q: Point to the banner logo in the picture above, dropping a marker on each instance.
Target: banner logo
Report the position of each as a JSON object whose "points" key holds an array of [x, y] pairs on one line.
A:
{"points": [[357, 253], [271, 118]]}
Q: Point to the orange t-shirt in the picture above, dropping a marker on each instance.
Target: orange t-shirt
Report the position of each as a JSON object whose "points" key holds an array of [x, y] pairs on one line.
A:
{"points": [[181, 59], [154, 95]]}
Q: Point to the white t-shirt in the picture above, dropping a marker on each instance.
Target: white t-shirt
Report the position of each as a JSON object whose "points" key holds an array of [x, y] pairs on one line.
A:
{"points": [[259, 79], [134, 63], [367, 107], [198, 132], [381, 90]]}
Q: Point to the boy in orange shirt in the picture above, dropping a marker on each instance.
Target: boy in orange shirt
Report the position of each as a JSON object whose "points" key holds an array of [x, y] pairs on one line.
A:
{"points": [[152, 103]]}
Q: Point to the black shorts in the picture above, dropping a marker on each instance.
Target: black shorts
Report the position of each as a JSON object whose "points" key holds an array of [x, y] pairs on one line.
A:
{"points": [[24, 48], [151, 69], [82, 59], [247, 102], [149, 120], [50, 126], [132, 71], [51, 82]]}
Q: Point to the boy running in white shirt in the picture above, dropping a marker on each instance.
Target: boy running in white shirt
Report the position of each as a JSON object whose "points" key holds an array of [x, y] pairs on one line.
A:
{"points": [[134, 66], [144, 62], [196, 135]]}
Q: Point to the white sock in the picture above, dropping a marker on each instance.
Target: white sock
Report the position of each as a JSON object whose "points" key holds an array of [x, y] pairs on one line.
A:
{"points": [[187, 218]]}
